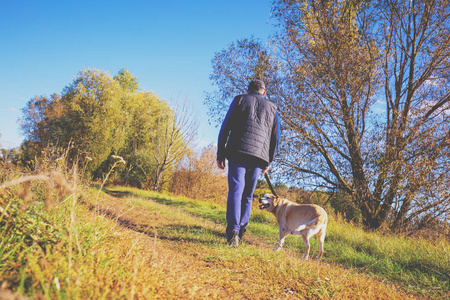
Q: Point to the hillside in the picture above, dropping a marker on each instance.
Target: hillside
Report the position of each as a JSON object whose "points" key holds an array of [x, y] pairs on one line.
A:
{"points": [[135, 244]]}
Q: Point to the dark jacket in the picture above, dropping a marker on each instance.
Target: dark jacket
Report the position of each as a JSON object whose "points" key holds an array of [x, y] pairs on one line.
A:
{"points": [[251, 128]]}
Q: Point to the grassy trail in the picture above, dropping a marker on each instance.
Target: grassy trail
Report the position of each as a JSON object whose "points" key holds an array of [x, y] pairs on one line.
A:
{"points": [[183, 243]]}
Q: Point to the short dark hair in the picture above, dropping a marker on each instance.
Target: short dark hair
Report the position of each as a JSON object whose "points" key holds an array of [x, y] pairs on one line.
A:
{"points": [[256, 85]]}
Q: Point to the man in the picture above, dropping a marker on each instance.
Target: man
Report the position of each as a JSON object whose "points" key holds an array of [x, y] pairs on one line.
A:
{"points": [[248, 139]]}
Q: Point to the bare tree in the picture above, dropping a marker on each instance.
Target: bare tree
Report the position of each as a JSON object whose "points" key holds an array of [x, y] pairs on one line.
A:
{"points": [[414, 37], [363, 92], [177, 134]]}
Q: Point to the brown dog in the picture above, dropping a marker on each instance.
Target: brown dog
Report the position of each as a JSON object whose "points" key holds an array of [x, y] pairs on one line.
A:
{"points": [[297, 219]]}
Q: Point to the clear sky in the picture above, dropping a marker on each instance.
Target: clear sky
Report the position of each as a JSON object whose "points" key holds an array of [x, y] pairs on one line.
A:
{"points": [[166, 44]]}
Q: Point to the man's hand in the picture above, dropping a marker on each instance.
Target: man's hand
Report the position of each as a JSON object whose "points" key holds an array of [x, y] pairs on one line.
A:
{"points": [[265, 170], [221, 164]]}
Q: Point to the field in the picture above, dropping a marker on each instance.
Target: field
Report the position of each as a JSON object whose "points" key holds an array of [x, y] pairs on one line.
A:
{"points": [[125, 243]]}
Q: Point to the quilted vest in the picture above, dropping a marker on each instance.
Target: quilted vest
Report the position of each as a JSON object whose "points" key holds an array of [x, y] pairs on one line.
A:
{"points": [[254, 117]]}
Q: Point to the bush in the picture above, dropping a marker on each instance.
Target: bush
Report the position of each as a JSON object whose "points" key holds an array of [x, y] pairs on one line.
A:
{"points": [[198, 177]]}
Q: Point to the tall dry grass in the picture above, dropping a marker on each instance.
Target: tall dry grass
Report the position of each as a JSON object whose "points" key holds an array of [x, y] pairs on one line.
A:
{"points": [[39, 219]]}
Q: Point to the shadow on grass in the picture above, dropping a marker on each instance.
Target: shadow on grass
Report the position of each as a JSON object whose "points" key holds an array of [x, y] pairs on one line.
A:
{"points": [[117, 194], [209, 211], [170, 232]]}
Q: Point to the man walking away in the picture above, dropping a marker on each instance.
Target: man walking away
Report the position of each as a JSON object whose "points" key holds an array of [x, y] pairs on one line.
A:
{"points": [[248, 139]]}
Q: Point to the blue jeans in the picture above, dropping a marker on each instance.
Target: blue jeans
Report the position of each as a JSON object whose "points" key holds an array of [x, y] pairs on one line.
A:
{"points": [[242, 178]]}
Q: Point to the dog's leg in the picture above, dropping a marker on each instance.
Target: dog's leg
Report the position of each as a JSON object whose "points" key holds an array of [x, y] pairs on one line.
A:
{"points": [[282, 236], [321, 238], [305, 238]]}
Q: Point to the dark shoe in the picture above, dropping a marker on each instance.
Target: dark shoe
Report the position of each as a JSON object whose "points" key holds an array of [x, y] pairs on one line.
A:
{"points": [[233, 238], [241, 233]]}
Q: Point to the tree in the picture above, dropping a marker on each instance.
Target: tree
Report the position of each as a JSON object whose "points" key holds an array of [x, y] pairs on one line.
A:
{"points": [[93, 115], [233, 69], [101, 115], [89, 114], [197, 176], [146, 111], [176, 132], [38, 117], [335, 64], [414, 39], [127, 81]]}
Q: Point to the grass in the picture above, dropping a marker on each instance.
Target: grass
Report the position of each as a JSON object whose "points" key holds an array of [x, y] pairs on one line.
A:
{"points": [[145, 245], [420, 266]]}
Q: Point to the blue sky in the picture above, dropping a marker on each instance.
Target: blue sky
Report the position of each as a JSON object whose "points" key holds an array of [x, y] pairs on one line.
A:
{"points": [[167, 44]]}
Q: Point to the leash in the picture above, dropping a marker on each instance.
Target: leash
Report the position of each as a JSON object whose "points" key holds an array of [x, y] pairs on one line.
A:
{"points": [[270, 184]]}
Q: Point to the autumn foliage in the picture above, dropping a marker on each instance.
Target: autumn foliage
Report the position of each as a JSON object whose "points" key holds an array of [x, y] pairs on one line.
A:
{"points": [[100, 115], [198, 177]]}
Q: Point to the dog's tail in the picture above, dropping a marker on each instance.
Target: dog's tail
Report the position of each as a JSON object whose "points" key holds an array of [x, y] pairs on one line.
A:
{"points": [[309, 224]]}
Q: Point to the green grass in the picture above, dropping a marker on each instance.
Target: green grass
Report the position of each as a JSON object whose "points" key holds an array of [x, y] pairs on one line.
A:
{"points": [[148, 245], [418, 265]]}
